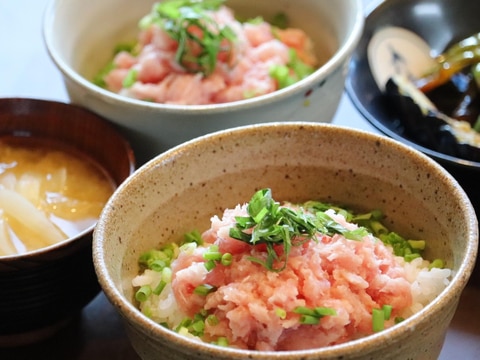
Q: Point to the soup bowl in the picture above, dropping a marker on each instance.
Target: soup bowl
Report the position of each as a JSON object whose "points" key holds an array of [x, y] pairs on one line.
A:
{"points": [[80, 41], [181, 189], [44, 288]]}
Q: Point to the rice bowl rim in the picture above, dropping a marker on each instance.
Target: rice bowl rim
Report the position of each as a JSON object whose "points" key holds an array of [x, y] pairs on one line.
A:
{"points": [[402, 330], [339, 57]]}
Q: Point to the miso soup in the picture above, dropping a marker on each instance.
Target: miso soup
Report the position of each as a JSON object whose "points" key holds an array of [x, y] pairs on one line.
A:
{"points": [[49, 192]]}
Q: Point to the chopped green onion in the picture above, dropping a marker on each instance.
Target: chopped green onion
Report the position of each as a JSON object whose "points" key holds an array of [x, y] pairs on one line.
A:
{"points": [[184, 324], [193, 236], [158, 265], [212, 253], [226, 259], [311, 316], [410, 257], [309, 320], [324, 311], [417, 244], [197, 328], [378, 320], [204, 289], [437, 263], [212, 320], [143, 293], [281, 313], [178, 17], [99, 79], [378, 228], [130, 78], [183, 331], [303, 310], [281, 73], [127, 47], [154, 260], [387, 311], [188, 248], [210, 265], [221, 341], [161, 285], [167, 275]]}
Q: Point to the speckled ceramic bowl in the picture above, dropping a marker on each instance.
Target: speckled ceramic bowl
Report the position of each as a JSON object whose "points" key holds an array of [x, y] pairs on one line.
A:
{"points": [[181, 189], [41, 290], [80, 40]]}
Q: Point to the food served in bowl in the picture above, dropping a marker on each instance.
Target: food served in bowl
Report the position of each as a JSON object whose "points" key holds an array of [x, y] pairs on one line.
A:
{"points": [[182, 189], [440, 108], [197, 52], [80, 41], [59, 163], [48, 193], [435, 27], [278, 277]]}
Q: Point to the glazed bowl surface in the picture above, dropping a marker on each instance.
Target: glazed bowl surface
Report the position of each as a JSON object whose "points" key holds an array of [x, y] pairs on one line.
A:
{"points": [[80, 40], [184, 187], [43, 289]]}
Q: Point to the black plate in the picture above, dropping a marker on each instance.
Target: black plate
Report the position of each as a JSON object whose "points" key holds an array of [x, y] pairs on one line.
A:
{"points": [[439, 23]]}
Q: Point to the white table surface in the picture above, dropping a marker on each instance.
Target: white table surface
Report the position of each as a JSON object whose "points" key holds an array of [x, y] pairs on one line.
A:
{"points": [[27, 71]]}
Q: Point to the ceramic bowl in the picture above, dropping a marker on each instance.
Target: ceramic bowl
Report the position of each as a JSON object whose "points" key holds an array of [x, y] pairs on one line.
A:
{"points": [[43, 289], [80, 40], [439, 24], [182, 188]]}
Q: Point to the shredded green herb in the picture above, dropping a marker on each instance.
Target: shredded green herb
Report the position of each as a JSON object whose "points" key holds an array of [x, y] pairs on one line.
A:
{"points": [[275, 226], [272, 225], [200, 39]]}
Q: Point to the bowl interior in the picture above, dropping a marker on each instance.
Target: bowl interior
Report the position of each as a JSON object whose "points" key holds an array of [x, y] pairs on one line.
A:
{"points": [[298, 162]]}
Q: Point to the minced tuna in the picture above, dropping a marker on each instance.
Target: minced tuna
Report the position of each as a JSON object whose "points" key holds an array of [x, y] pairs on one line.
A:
{"points": [[244, 59], [321, 291]]}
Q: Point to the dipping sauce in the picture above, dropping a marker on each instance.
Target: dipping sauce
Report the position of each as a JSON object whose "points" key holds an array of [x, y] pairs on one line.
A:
{"points": [[49, 192]]}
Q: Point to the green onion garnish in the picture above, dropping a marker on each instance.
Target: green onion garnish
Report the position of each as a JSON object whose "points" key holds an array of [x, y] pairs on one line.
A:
{"points": [[130, 78], [312, 316], [204, 289], [143, 293], [195, 52], [437, 263], [212, 320], [158, 290], [272, 225], [226, 259], [221, 341], [378, 320], [193, 237]]}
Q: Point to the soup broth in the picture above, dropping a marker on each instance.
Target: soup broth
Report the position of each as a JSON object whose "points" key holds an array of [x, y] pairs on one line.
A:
{"points": [[49, 192]]}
